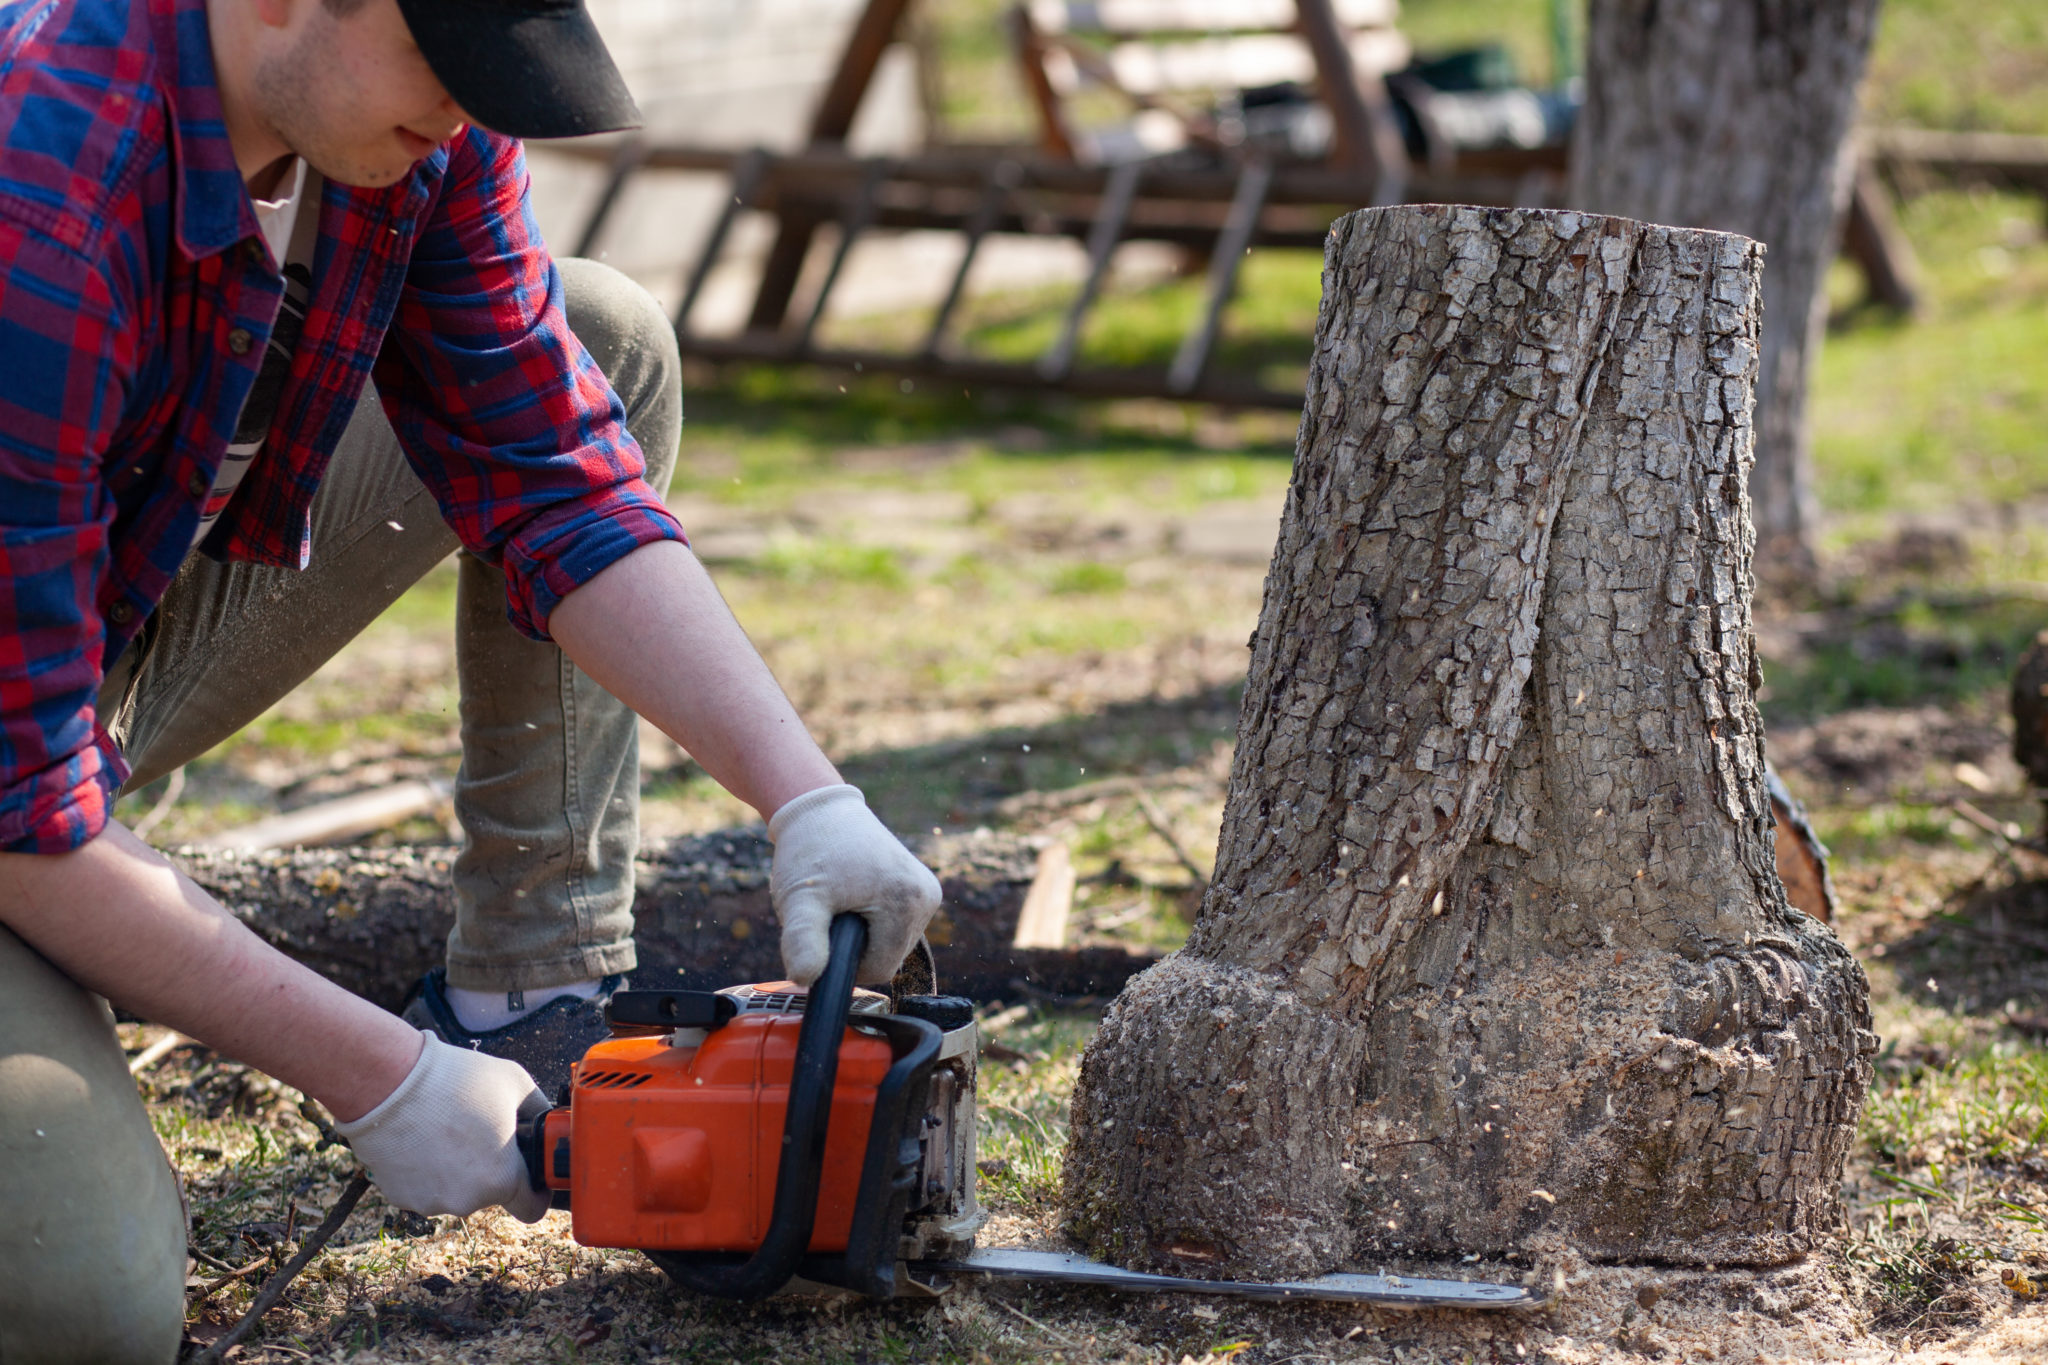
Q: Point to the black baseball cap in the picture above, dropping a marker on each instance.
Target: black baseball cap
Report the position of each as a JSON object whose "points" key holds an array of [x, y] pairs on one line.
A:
{"points": [[525, 68]]}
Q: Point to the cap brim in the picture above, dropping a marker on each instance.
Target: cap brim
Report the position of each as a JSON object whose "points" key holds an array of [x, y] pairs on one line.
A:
{"points": [[527, 74]]}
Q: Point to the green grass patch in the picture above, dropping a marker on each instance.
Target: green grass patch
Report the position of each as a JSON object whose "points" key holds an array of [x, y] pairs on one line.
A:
{"points": [[1939, 65], [808, 561], [1023, 1136], [1915, 415], [1088, 577], [1915, 648], [1924, 1122], [1876, 833]]}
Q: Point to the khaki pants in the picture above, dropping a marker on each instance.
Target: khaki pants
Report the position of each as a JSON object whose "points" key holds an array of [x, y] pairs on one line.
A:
{"points": [[91, 1235]]}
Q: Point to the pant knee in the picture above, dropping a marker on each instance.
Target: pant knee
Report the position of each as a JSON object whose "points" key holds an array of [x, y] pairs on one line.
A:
{"points": [[631, 340], [117, 1322], [92, 1242]]}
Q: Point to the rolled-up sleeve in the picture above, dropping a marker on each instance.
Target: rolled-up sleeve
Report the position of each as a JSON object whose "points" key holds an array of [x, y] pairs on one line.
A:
{"points": [[65, 362], [501, 411]]}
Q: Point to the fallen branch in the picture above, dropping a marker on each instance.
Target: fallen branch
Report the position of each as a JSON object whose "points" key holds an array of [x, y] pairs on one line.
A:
{"points": [[274, 1287], [173, 789], [2005, 832], [156, 1052], [333, 822], [2004, 838], [1025, 804], [1157, 819], [207, 1291]]}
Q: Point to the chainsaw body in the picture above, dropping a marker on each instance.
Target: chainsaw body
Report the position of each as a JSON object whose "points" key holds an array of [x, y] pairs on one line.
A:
{"points": [[760, 1135], [682, 1129]]}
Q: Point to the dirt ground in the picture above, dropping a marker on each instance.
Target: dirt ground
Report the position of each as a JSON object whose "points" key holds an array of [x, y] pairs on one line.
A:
{"points": [[1120, 748]]}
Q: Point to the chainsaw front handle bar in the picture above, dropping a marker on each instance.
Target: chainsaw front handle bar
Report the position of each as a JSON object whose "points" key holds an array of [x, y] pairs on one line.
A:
{"points": [[811, 1082]]}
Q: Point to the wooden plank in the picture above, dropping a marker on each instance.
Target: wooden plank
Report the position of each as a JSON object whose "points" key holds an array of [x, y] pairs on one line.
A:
{"points": [[872, 33], [1042, 923], [1108, 230], [746, 176], [830, 123], [2017, 157], [1873, 239], [1117, 18], [1221, 387], [1241, 63], [626, 159], [1034, 58], [1484, 176], [1362, 118], [1003, 176], [859, 215], [1224, 261]]}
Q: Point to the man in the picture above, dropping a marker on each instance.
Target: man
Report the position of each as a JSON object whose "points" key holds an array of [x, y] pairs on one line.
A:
{"points": [[224, 225]]}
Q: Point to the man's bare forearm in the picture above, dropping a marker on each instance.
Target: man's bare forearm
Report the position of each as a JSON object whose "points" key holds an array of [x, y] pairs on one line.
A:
{"points": [[653, 631], [117, 918]]}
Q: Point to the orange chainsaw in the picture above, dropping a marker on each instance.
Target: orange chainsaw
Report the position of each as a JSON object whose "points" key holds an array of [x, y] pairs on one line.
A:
{"points": [[757, 1137]]}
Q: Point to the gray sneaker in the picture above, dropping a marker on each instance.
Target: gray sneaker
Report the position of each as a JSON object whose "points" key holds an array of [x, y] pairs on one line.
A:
{"points": [[546, 1042]]}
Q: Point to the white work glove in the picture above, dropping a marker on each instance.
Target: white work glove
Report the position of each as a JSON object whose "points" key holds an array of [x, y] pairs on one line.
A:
{"points": [[833, 856], [443, 1142]]}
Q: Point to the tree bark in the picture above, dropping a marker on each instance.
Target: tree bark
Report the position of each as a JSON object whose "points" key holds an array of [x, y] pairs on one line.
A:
{"points": [[1735, 115], [1494, 952]]}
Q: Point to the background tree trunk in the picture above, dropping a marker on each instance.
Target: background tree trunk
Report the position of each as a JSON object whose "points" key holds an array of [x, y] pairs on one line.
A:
{"points": [[1494, 950], [1735, 115]]}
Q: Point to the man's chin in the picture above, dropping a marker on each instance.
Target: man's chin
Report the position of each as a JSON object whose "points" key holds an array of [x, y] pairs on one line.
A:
{"points": [[362, 175]]}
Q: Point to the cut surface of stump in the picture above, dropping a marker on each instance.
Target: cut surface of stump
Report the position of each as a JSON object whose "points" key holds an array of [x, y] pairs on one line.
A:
{"points": [[1495, 954]]}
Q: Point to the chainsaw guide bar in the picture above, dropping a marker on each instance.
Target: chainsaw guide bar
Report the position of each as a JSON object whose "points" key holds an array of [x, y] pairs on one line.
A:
{"points": [[1381, 1291]]}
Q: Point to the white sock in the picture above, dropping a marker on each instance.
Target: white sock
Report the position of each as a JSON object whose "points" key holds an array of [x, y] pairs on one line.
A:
{"points": [[482, 1011]]}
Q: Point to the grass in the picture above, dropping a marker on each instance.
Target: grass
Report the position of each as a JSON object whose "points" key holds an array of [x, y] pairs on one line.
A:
{"points": [[1918, 415], [1023, 1136], [1989, 1107], [1955, 1152], [1029, 627]]}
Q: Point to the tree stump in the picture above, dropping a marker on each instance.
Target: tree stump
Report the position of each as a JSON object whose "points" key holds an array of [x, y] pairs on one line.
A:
{"points": [[1495, 953]]}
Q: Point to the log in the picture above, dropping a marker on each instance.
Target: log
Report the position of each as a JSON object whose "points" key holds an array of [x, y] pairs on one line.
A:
{"points": [[1495, 958], [375, 920]]}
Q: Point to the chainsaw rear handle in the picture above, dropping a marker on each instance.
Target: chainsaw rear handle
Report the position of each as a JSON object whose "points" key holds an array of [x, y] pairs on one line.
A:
{"points": [[811, 1080]]}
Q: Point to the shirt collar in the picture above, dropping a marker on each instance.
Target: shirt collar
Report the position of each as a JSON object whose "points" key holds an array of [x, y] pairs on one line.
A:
{"points": [[213, 210]]}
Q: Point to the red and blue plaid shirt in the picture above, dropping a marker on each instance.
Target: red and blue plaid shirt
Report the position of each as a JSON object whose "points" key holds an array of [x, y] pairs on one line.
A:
{"points": [[135, 300]]}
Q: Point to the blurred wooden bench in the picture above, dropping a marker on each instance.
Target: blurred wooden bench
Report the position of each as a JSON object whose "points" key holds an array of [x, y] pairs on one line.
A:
{"points": [[1182, 70], [1220, 190]]}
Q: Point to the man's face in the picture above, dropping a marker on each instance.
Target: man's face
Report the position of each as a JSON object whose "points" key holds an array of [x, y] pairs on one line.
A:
{"points": [[352, 95]]}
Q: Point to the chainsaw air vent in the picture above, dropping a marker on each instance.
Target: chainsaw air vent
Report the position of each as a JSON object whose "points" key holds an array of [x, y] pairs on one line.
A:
{"points": [[786, 997], [614, 1080]]}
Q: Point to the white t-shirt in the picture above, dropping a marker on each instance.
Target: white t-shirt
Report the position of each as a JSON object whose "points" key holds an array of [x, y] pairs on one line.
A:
{"points": [[291, 236]]}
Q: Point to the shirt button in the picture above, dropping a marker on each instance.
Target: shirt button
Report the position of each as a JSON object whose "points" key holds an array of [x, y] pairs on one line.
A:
{"points": [[121, 613], [197, 486], [254, 252], [239, 341]]}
